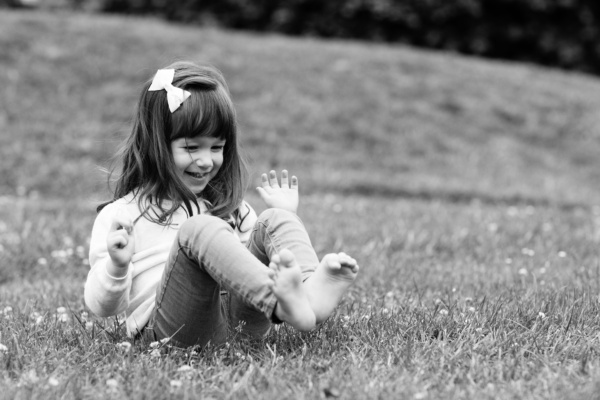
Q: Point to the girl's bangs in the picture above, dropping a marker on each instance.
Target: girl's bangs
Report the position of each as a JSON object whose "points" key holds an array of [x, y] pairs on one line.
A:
{"points": [[204, 113]]}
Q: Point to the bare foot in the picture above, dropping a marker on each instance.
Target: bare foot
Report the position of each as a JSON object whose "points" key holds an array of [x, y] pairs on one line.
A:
{"points": [[326, 286], [293, 306]]}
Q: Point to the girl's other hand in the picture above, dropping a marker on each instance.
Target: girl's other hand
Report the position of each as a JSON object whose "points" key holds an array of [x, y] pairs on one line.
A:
{"points": [[275, 196], [120, 241]]}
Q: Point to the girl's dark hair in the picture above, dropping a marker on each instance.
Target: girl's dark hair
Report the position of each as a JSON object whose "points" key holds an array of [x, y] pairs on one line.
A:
{"points": [[147, 166]]}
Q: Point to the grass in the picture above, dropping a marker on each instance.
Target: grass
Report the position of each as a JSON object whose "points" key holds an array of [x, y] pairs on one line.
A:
{"points": [[465, 188]]}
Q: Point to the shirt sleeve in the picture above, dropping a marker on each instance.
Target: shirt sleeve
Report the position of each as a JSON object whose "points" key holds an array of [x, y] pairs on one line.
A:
{"points": [[247, 219], [104, 294]]}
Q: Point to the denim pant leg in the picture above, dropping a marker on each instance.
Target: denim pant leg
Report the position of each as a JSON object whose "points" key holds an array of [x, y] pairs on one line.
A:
{"points": [[275, 230], [206, 257]]}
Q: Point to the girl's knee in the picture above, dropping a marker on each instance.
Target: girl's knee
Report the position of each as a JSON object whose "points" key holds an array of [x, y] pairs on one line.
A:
{"points": [[200, 224]]}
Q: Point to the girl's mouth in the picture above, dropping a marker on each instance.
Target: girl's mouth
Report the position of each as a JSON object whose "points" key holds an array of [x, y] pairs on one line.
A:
{"points": [[196, 175]]}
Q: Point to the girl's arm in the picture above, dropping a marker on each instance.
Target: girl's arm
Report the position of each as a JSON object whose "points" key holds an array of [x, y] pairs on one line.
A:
{"points": [[108, 283], [276, 196]]}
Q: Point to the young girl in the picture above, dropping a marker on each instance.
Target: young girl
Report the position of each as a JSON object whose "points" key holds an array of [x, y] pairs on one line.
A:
{"points": [[179, 251]]}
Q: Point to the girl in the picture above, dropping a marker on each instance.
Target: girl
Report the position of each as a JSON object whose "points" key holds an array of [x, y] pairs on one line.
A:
{"points": [[179, 251]]}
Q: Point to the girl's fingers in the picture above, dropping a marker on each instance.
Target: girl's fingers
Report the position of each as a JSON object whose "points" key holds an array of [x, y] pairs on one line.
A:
{"points": [[119, 239], [294, 182], [284, 179], [264, 181], [122, 221], [273, 179]]}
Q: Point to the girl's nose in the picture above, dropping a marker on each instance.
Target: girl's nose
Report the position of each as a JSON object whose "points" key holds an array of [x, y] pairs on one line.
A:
{"points": [[204, 160]]}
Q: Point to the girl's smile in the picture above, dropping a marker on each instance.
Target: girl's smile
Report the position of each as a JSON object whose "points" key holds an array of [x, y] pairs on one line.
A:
{"points": [[197, 160]]}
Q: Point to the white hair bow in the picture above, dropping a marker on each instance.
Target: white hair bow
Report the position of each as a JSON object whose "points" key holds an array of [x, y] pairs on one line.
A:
{"points": [[163, 80]]}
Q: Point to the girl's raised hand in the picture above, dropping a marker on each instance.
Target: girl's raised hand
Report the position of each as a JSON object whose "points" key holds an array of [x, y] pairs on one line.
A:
{"points": [[120, 243], [276, 196]]}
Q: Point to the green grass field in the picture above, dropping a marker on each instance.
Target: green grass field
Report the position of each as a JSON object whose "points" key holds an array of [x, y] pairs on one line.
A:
{"points": [[465, 188]]}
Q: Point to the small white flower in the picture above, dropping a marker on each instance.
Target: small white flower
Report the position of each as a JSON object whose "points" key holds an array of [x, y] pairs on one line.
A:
{"points": [[7, 309], [471, 309], [176, 383], [154, 345], [542, 270], [125, 346], [508, 260], [443, 311], [84, 315], [42, 261], [112, 383], [523, 271], [562, 254], [61, 310], [155, 353], [63, 317], [165, 340], [541, 315], [89, 325], [468, 299], [385, 311], [3, 348], [528, 252], [184, 368], [53, 381]]}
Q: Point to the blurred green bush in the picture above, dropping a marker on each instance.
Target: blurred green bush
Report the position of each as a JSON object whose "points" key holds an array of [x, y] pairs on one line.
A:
{"points": [[558, 33]]}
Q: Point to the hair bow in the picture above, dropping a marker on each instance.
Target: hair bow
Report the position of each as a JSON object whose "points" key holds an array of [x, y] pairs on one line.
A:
{"points": [[163, 80]]}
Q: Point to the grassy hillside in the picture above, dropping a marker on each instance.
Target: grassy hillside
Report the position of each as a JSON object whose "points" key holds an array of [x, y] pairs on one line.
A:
{"points": [[466, 190], [346, 116]]}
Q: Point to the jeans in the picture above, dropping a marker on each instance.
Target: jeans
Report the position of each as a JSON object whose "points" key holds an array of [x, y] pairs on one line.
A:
{"points": [[206, 261]]}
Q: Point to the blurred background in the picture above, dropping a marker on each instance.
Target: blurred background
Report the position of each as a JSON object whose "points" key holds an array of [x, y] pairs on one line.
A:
{"points": [[495, 100], [559, 33]]}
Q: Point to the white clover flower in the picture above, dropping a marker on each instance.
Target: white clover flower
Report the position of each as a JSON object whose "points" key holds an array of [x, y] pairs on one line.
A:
{"points": [[523, 271], [63, 317], [84, 315], [112, 383], [89, 325], [42, 261], [541, 315], [385, 311], [562, 254], [508, 260], [155, 353], [443, 311], [184, 368], [176, 383], [528, 252], [542, 270], [125, 346], [7, 309], [471, 309], [165, 340], [154, 345], [53, 381], [3, 348], [61, 310]]}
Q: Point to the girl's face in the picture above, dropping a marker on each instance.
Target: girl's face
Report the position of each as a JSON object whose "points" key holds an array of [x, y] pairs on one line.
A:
{"points": [[197, 159]]}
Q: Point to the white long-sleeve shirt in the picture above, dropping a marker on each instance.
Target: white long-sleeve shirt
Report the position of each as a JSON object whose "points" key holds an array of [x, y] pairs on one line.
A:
{"points": [[134, 294]]}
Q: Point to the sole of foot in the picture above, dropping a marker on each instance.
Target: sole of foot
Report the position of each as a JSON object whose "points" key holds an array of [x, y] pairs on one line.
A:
{"points": [[293, 305], [328, 284]]}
